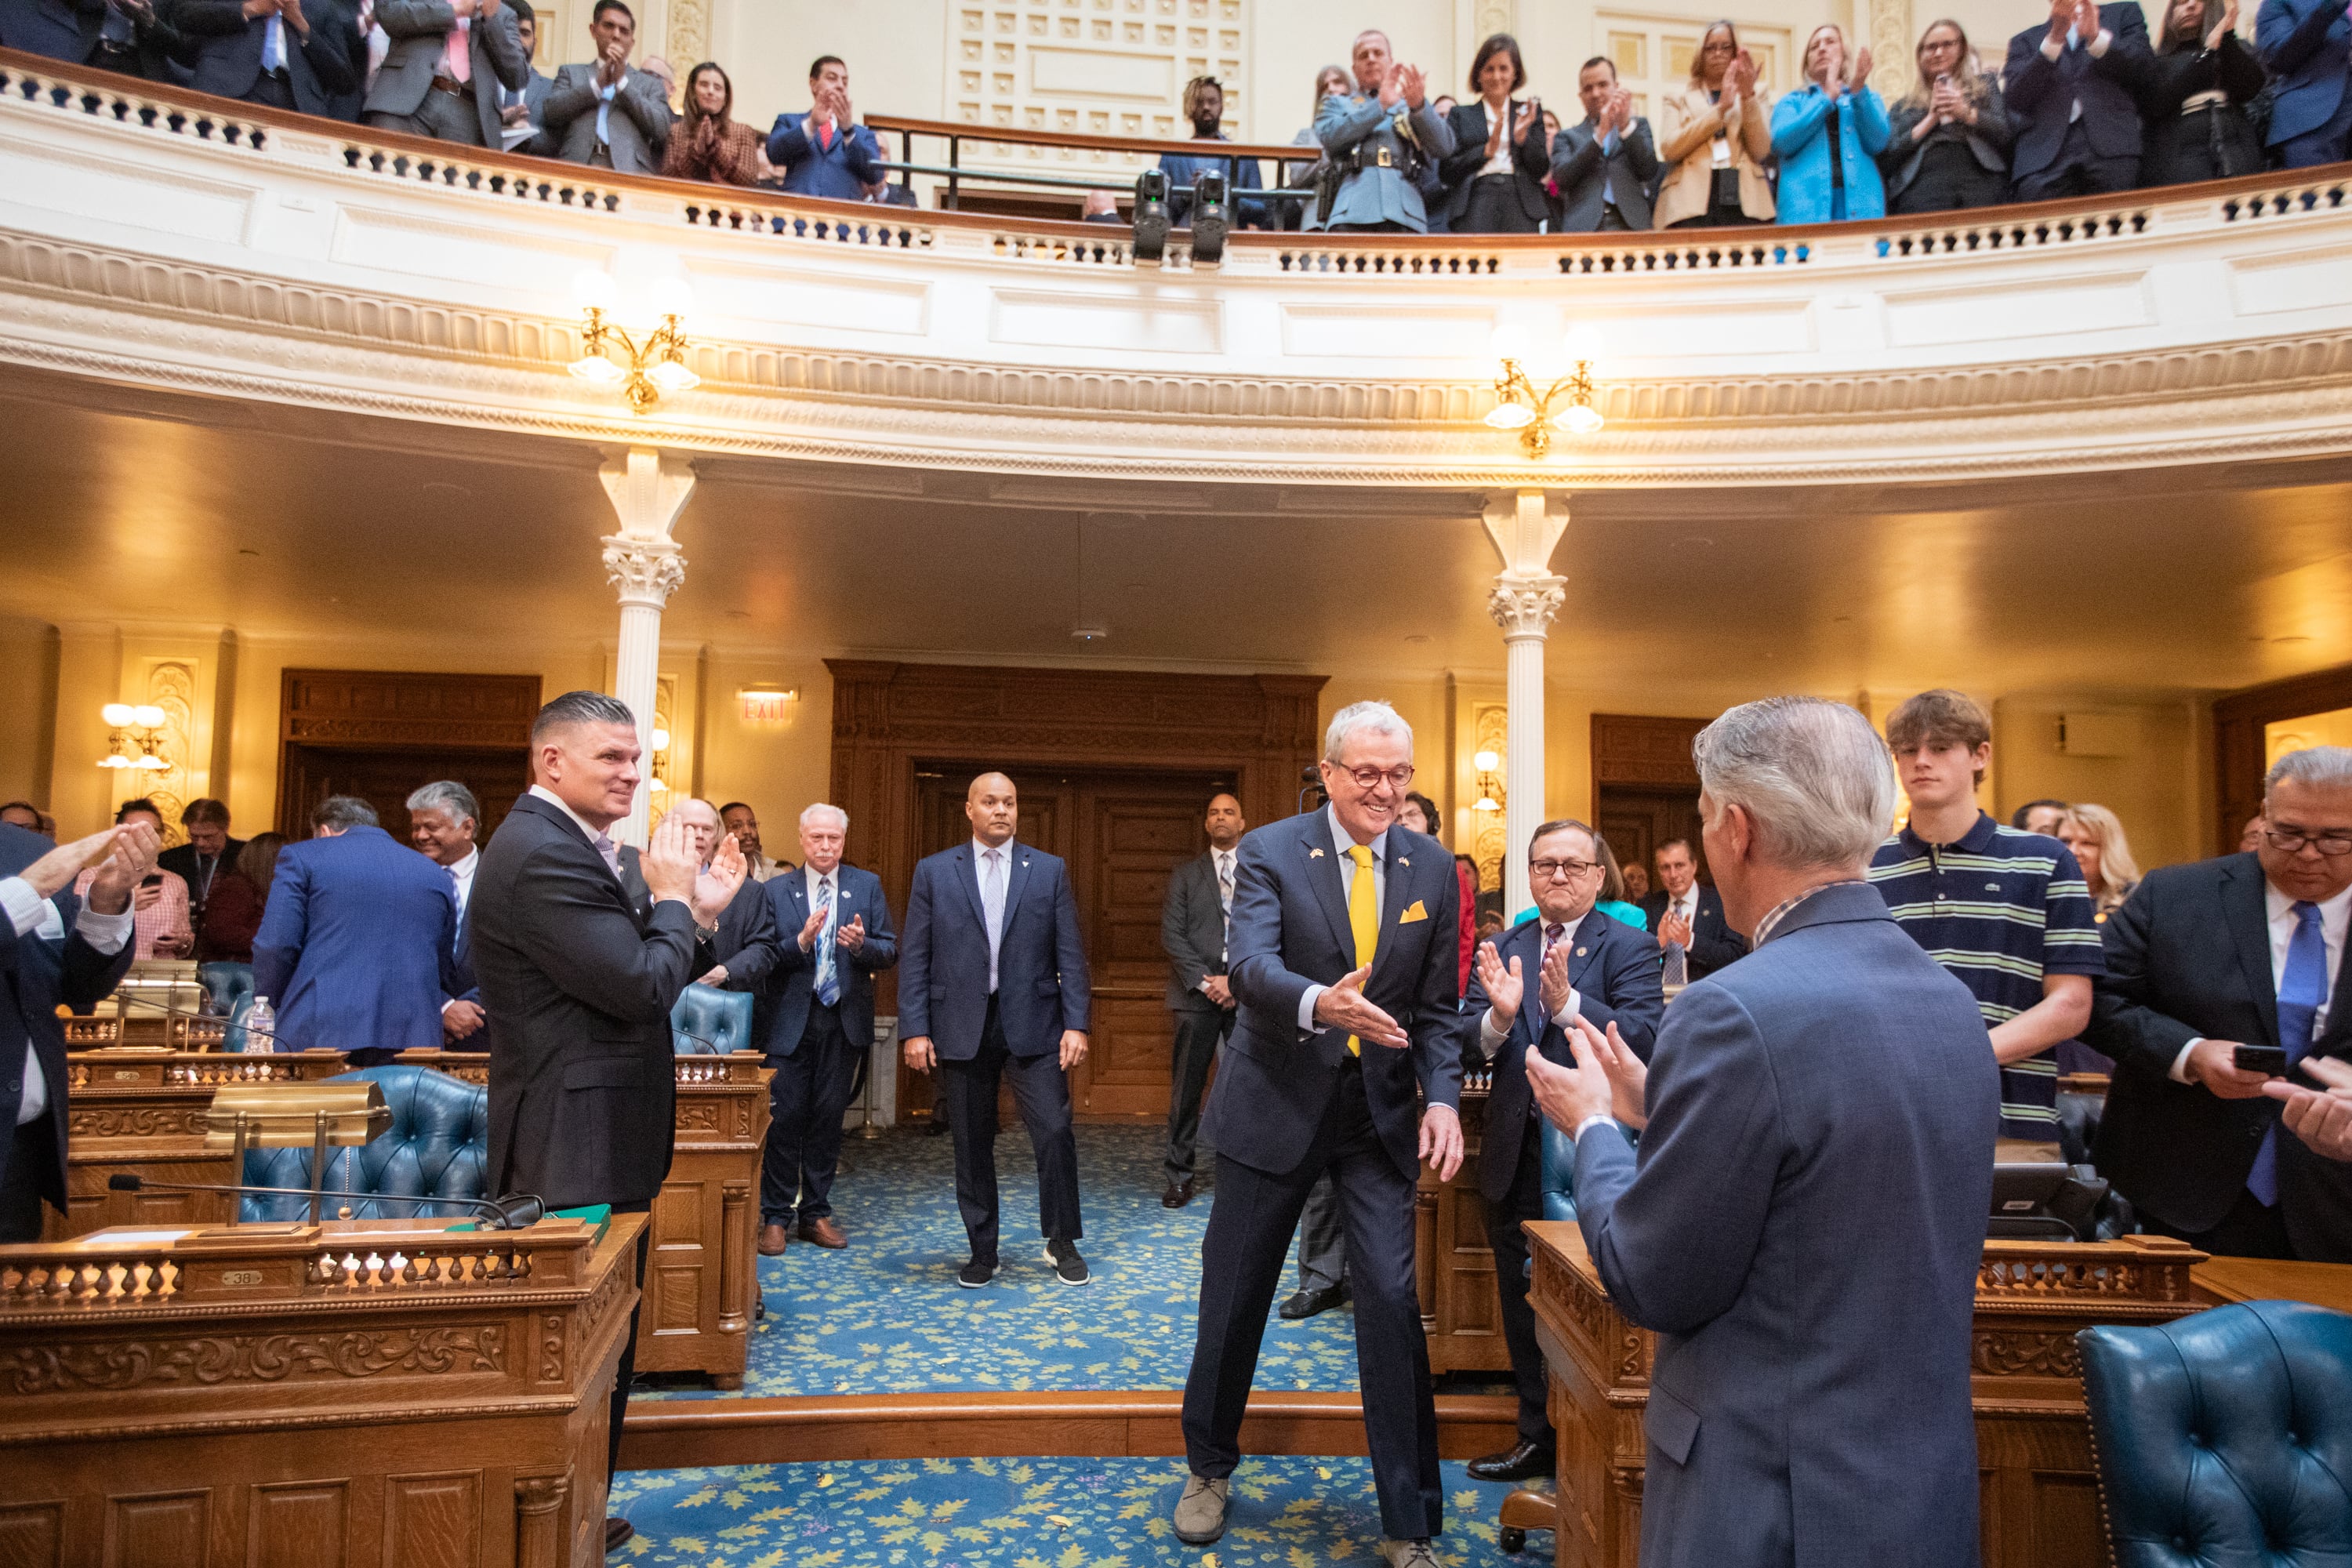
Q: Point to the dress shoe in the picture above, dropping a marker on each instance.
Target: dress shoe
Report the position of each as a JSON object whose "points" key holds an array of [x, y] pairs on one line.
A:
{"points": [[1409, 1555], [1178, 1194], [1200, 1511], [823, 1232], [616, 1533], [773, 1239], [1526, 1461], [976, 1273], [1307, 1303]]}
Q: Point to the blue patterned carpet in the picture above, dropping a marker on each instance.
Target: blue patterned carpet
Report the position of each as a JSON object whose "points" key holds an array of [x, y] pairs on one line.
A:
{"points": [[1029, 1514], [886, 1315]]}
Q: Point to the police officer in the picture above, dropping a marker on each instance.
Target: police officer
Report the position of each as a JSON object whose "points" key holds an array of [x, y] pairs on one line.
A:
{"points": [[1379, 138]]}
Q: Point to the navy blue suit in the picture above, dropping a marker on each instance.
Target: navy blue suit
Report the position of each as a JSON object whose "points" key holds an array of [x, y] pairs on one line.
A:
{"points": [[1827, 1098], [2305, 43], [2057, 155], [814, 1049], [357, 946], [982, 1035], [1290, 1104], [35, 976], [840, 172]]}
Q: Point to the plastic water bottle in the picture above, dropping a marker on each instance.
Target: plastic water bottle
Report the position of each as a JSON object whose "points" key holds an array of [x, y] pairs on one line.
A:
{"points": [[260, 1027]]}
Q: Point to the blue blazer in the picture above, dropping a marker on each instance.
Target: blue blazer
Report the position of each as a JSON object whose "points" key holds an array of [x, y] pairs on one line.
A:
{"points": [[1042, 984], [1828, 1098], [840, 172], [1799, 137], [1614, 969], [2306, 46], [1289, 931], [35, 976], [355, 950], [792, 982]]}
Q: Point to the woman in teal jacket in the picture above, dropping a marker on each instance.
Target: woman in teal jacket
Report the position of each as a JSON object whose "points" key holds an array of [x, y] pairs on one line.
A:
{"points": [[1828, 136]]}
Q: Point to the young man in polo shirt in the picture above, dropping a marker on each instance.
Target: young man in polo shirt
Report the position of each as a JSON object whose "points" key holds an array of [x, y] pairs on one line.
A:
{"points": [[2006, 913]]}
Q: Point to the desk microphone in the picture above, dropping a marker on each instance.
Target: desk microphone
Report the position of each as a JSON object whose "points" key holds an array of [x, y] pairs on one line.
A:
{"points": [[516, 1211]]}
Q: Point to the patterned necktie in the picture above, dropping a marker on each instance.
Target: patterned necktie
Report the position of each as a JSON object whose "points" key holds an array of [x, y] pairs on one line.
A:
{"points": [[1225, 899], [458, 897], [828, 979], [1678, 969], [2302, 993], [611, 852], [1363, 918]]}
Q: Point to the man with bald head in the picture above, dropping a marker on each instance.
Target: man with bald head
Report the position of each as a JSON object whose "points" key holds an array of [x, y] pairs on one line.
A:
{"points": [[994, 987]]}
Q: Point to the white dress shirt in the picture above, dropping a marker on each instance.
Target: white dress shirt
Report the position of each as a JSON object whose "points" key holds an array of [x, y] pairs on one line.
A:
{"points": [[1344, 840], [991, 898], [2335, 916], [461, 880], [33, 915]]}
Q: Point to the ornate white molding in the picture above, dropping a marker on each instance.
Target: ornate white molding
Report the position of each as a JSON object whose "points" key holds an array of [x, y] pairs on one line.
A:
{"points": [[645, 571], [1526, 606]]}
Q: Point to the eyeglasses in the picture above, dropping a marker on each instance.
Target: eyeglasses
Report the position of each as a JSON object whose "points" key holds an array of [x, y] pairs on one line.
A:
{"points": [[2291, 840], [1554, 870], [1717, 48], [1369, 778]]}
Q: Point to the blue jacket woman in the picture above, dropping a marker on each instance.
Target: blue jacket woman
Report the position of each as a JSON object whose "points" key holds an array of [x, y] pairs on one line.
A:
{"points": [[1828, 139]]}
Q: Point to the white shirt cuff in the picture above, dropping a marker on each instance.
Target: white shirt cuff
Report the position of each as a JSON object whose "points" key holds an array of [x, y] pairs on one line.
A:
{"points": [[2180, 1072], [1594, 1120], [105, 932], [22, 904], [2051, 48], [1489, 1036], [2098, 46], [1569, 1010], [1307, 1008]]}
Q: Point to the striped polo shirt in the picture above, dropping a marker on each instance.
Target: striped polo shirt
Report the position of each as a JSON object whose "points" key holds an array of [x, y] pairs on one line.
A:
{"points": [[1999, 910]]}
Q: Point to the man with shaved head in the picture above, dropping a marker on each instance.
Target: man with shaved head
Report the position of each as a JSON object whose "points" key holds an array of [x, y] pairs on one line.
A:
{"points": [[994, 987]]}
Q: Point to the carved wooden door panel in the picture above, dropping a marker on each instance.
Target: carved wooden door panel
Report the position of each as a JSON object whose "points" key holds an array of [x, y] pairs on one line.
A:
{"points": [[1132, 834]]}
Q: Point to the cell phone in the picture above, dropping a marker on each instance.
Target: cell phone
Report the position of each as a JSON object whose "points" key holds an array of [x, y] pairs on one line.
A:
{"points": [[156, 879], [2268, 1060]]}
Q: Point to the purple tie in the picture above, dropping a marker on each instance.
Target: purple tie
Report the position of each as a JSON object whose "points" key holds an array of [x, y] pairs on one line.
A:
{"points": [[611, 852]]}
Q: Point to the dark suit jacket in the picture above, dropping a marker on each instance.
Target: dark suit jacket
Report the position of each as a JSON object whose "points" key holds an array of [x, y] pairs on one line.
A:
{"points": [[1827, 1098], [841, 172], [1289, 931], [2041, 95], [1614, 969], [639, 124], [70, 30], [793, 985], [1042, 984], [419, 30], [1580, 172], [2189, 954], [746, 943], [1458, 170], [229, 44], [2178, 148], [1713, 942], [2304, 44], [1192, 930], [578, 987], [181, 860], [35, 976], [357, 944]]}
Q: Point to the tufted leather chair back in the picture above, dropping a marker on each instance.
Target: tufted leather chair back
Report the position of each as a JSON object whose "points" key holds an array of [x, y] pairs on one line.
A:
{"points": [[709, 1022], [226, 984], [1559, 1174], [437, 1147], [2225, 1439]]}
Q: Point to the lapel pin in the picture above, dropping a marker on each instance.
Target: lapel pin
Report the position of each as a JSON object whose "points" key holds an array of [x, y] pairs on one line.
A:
{"points": [[1314, 854], [1580, 952], [1402, 861]]}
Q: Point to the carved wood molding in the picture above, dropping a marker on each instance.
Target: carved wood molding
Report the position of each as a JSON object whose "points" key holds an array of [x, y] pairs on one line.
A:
{"points": [[258, 1358]]}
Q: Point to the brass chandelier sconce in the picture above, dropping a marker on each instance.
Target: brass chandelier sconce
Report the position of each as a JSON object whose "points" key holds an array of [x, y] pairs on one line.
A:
{"points": [[610, 357], [134, 738], [1565, 406]]}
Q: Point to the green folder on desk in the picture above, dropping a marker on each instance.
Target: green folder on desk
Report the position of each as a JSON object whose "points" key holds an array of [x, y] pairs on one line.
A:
{"points": [[597, 1216]]}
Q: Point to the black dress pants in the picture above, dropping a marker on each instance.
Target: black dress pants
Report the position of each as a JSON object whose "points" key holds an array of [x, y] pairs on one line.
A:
{"points": [[1042, 1090], [2079, 172], [1199, 1033], [2252, 1228], [807, 1100], [1240, 1263], [628, 1368], [34, 1150], [1523, 1202]]}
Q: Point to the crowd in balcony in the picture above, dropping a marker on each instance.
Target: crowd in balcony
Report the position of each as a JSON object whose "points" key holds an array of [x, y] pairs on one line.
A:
{"points": [[2084, 103]]}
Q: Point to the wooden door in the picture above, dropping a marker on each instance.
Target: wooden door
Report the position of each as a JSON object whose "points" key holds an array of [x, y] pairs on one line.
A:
{"points": [[379, 734], [384, 776], [1636, 821], [2239, 756]]}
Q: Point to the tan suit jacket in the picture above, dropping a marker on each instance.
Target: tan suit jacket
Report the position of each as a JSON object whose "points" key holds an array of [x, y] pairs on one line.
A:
{"points": [[1688, 119]]}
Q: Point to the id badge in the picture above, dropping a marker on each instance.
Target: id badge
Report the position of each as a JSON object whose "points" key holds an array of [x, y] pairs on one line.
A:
{"points": [[1723, 152]]}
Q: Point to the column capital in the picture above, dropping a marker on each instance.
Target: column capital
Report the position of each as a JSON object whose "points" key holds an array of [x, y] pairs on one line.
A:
{"points": [[645, 571], [1525, 606]]}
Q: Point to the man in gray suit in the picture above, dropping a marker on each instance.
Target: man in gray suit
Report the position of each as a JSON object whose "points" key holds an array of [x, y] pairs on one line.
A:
{"points": [[1192, 930], [1602, 168], [441, 77], [602, 113], [519, 108], [1381, 135], [1830, 1098]]}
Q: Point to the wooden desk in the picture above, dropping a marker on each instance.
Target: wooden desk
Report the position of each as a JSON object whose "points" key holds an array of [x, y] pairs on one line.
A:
{"points": [[286, 1395], [2227, 1279], [2039, 1495], [1461, 1310]]}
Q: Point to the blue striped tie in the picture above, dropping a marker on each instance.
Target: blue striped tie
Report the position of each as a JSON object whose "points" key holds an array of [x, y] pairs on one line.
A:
{"points": [[2302, 990]]}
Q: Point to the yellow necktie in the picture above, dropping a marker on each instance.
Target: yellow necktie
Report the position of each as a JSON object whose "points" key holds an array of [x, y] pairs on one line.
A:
{"points": [[1363, 917]]}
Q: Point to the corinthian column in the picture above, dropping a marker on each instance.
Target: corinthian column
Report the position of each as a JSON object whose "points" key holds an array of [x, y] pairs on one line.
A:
{"points": [[1525, 529], [648, 489]]}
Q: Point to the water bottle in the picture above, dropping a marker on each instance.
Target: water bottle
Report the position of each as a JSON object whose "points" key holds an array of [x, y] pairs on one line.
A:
{"points": [[260, 1027]]}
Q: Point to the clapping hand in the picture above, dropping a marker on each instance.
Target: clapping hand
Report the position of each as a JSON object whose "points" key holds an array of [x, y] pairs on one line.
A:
{"points": [[52, 872], [1674, 928], [1629, 1079], [1620, 111], [2223, 26], [715, 884], [1392, 87], [135, 847], [1529, 113], [1858, 70], [2061, 17], [1416, 87], [851, 937], [1505, 987], [667, 863], [1554, 980], [1344, 1007], [1946, 108], [610, 63]]}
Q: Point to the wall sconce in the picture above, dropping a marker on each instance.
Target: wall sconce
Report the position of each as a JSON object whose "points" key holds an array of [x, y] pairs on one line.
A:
{"points": [[1490, 785], [1520, 407], [766, 704], [658, 783], [611, 358], [135, 739]]}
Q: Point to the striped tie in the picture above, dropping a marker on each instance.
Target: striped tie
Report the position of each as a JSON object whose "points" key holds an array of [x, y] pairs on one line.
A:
{"points": [[828, 978]]}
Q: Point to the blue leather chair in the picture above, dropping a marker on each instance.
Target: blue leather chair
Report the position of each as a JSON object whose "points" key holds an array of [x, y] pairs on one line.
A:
{"points": [[437, 1147], [1559, 1171], [2225, 1439], [226, 984], [709, 1022]]}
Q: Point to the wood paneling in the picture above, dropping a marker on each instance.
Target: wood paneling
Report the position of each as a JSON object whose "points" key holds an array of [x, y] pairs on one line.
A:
{"points": [[1461, 1309], [1645, 786], [378, 735], [2239, 755]]}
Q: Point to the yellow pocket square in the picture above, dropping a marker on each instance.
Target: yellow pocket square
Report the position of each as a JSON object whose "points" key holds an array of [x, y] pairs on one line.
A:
{"points": [[1413, 911]]}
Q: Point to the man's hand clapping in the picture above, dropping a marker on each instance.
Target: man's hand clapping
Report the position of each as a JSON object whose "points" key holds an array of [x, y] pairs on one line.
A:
{"points": [[135, 847], [612, 63], [1344, 1007], [851, 937], [667, 863], [715, 885], [1505, 987]]}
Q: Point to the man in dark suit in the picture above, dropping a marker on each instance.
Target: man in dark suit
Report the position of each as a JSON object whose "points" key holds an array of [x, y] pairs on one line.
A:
{"points": [[208, 852], [1570, 961], [2303, 45], [294, 54], [54, 950], [1192, 930], [825, 151], [2205, 958], [833, 936], [357, 940], [442, 818], [2069, 89], [429, 87], [602, 113], [1830, 1097], [995, 985], [745, 944], [136, 37], [579, 983], [1686, 918], [1344, 955], [1602, 168]]}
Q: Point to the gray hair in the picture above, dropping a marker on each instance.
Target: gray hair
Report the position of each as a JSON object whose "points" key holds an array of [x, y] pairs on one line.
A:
{"points": [[342, 813], [581, 707], [1356, 718], [695, 800], [444, 795], [2322, 767], [1812, 775], [822, 808]]}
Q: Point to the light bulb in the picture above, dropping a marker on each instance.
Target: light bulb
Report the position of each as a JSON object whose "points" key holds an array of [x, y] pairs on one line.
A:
{"points": [[117, 714], [592, 289], [657, 787], [1485, 802], [147, 717], [598, 371], [1583, 343], [670, 297], [661, 740], [150, 762], [671, 377], [1485, 761], [1578, 419], [117, 760], [1510, 417]]}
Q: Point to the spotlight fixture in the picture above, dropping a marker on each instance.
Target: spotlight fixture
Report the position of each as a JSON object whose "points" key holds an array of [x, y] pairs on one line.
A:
{"points": [[1520, 407], [1209, 219], [1150, 240], [610, 358]]}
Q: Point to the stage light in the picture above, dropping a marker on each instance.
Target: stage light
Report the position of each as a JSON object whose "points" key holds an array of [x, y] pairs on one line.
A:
{"points": [[1151, 242], [1208, 219]]}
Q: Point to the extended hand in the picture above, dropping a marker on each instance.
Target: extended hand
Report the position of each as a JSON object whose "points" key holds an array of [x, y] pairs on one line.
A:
{"points": [[1555, 980], [59, 867], [2214, 1063], [852, 936], [1567, 1095], [135, 847], [1416, 87], [1506, 988], [715, 886], [460, 1019], [1440, 1140], [1343, 1006], [1629, 1081], [1074, 1047], [2321, 1118], [1860, 78], [920, 1056]]}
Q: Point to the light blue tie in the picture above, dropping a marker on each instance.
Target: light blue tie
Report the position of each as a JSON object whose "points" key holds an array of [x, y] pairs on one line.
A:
{"points": [[273, 45], [828, 978], [2302, 990]]}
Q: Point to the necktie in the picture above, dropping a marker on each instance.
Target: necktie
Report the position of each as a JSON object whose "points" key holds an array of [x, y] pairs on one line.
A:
{"points": [[1363, 918], [457, 896], [273, 45], [1225, 899], [828, 979], [457, 55], [991, 902], [824, 135], [611, 852], [2302, 993], [1677, 968]]}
